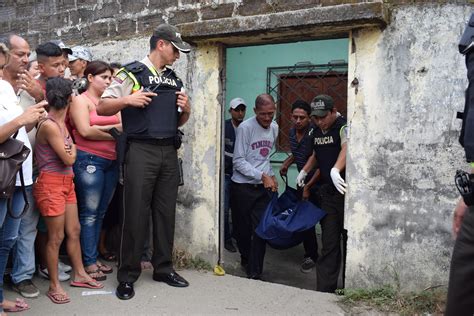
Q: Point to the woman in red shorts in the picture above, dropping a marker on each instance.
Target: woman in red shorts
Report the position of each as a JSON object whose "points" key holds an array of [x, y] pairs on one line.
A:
{"points": [[54, 190]]}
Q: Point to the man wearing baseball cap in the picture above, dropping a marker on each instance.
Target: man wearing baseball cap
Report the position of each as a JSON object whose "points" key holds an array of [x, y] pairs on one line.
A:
{"points": [[237, 107], [153, 104], [329, 151], [78, 60]]}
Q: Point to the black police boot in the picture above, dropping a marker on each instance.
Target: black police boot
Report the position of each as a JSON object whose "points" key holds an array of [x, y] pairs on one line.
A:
{"points": [[172, 279], [125, 291]]}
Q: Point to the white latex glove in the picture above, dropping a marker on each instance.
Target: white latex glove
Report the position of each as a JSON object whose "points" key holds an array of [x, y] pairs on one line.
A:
{"points": [[338, 181], [300, 178]]}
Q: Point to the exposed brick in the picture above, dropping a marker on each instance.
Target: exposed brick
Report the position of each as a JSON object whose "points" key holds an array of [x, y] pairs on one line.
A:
{"points": [[126, 28], [181, 16], [39, 24], [336, 2], [19, 26], [25, 11], [95, 31], [202, 2], [24, 2], [108, 10], [44, 7], [86, 15], [162, 4], [73, 17], [33, 40], [66, 4], [5, 26], [249, 7], [72, 36], [7, 3], [133, 6], [282, 5], [219, 12], [7, 14], [59, 20], [148, 23]]}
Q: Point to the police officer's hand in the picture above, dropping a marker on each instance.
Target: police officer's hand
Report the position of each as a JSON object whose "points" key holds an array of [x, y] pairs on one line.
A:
{"points": [[338, 181], [300, 178], [140, 99], [183, 102], [459, 213]]}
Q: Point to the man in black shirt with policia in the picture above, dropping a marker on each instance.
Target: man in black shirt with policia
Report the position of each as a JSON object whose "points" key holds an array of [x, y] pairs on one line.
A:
{"points": [[329, 151]]}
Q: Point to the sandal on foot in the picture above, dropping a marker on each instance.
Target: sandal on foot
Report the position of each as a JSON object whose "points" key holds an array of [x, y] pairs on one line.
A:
{"points": [[58, 298], [19, 306], [97, 275], [104, 268], [87, 284], [108, 256]]}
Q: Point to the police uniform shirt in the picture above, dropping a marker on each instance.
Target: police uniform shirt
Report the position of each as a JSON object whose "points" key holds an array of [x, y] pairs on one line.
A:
{"points": [[326, 144], [122, 84]]}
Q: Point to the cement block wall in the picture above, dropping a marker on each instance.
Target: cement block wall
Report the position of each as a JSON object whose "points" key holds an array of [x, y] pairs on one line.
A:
{"points": [[403, 148]]}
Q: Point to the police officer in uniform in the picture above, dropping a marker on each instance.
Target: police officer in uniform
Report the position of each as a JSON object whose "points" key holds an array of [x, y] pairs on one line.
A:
{"points": [[461, 277], [153, 105], [329, 147]]}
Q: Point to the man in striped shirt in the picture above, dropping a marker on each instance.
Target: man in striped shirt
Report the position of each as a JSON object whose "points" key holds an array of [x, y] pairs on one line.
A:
{"points": [[301, 144]]}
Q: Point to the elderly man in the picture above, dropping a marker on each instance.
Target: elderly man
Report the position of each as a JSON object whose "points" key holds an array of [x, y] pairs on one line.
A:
{"points": [[253, 181]]}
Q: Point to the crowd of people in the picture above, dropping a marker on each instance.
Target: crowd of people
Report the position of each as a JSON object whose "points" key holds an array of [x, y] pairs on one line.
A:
{"points": [[67, 108]]}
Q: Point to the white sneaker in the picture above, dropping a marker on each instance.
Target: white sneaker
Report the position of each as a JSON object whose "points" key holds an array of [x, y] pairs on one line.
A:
{"points": [[64, 267], [62, 276]]}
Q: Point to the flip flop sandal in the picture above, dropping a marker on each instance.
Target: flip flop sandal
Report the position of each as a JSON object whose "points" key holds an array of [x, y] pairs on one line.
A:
{"points": [[108, 256], [20, 306], [104, 268], [87, 284], [59, 298], [97, 275]]}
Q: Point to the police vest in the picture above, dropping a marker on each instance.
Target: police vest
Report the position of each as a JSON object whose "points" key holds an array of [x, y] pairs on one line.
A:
{"points": [[159, 119], [327, 147]]}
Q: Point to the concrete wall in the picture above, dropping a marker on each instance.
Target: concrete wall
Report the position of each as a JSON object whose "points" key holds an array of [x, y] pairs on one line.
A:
{"points": [[403, 149]]}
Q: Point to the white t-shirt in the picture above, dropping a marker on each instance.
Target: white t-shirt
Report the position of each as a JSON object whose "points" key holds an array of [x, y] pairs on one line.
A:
{"points": [[9, 110]]}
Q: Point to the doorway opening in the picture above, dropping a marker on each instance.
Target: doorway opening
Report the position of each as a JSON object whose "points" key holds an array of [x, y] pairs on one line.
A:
{"points": [[289, 72]]}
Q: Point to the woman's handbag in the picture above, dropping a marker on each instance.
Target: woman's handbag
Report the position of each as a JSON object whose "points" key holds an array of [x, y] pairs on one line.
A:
{"points": [[13, 153]]}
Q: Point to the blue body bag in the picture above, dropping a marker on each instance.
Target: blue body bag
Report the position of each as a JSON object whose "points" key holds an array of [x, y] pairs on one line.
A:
{"points": [[285, 218]]}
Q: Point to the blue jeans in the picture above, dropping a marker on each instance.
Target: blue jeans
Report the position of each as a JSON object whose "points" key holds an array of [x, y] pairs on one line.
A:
{"points": [[8, 231], [95, 179], [23, 252], [227, 182]]}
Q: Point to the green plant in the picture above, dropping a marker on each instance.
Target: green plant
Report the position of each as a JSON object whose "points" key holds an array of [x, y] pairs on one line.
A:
{"points": [[390, 299], [184, 260]]}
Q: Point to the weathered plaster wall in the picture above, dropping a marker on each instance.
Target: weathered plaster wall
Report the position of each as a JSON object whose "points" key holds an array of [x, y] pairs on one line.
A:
{"points": [[403, 148]]}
